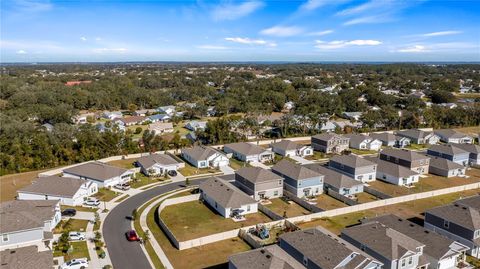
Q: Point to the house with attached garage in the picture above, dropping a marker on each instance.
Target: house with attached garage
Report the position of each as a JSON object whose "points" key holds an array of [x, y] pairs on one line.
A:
{"points": [[169, 110], [446, 168], [452, 136], [133, 120], [226, 199], [439, 252], [363, 142], [158, 118], [159, 128], [248, 152], [103, 174], [204, 157], [289, 148], [420, 137], [158, 164], [28, 223], [354, 166], [31, 257], [391, 140], [473, 150], [259, 183], [449, 152], [336, 181], [298, 179], [393, 173], [70, 191], [412, 160], [330, 143], [459, 221], [196, 125]]}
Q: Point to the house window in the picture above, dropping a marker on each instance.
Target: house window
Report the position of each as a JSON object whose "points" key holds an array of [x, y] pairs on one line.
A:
{"points": [[410, 260], [275, 193], [5, 238], [446, 224], [46, 197], [215, 204], [248, 208], [279, 183], [370, 177], [477, 234], [403, 263]]}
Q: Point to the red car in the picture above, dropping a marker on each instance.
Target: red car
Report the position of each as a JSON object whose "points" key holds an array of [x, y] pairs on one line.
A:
{"points": [[132, 236]]}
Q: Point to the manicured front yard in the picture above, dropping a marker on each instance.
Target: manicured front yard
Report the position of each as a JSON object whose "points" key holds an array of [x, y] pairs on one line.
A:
{"points": [[194, 219], [141, 180], [236, 164], [77, 225], [291, 208], [190, 170], [316, 155], [78, 250], [79, 208], [326, 202], [105, 194], [363, 152]]}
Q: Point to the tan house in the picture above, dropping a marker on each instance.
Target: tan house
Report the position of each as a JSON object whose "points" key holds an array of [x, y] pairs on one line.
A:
{"points": [[161, 127]]}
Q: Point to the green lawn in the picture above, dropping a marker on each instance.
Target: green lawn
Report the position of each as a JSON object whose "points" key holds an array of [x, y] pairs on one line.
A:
{"points": [[141, 180], [194, 219], [79, 208], [105, 194], [182, 131], [291, 209], [473, 261], [78, 250], [363, 152], [317, 155], [96, 226], [190, 170], [236, 164], [77, 225], [416, 147]]}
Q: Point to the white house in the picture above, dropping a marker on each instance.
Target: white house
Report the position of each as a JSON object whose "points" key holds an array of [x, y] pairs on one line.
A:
{"points": [[103, 174], [161, 127], [169, 110], [363, 142], [70, 191], [111, 115], [158, 164], [394, 173], [196, 125], [290, 148], [203, 157], [353, 166], [247, 152], [452, 136]]}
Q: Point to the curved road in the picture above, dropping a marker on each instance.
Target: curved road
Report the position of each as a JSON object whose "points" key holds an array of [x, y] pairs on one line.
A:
{"points": [[125, 254]]}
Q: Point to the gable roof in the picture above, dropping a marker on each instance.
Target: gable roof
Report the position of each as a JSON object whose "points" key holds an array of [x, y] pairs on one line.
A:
{"points": [[403, 154], [392, 169], [449, 133], [96, 170], [447, 149], [444, 164], [162, 159], [158, 117], [160, 126], [224, 193], [245, 148], [386, 137], [334, 178], [414, 133], [465, 212], [294, 171], [55, 185], [471, 148], [19, 215], [270, 257], [26, 258], [286, 145], [257, 174], [358, 138], [328, 136], [200, 152], [352, 161], [132, 119]]}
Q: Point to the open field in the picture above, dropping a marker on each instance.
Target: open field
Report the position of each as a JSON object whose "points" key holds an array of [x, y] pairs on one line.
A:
{"points": [[412, 209], [9, 184], [290, 209], [194, 219], [326, 202], [473, 130]]}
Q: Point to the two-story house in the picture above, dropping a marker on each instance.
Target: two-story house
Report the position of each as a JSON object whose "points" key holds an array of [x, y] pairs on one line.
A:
{"points": [[330, 143], [259, 183], [298, 179], [354, 166], [204, 157], [412, 160], [452, 136], [450, 152], [473, 150], [248, 152], [420, 137], [394, 173], [338, 182]]}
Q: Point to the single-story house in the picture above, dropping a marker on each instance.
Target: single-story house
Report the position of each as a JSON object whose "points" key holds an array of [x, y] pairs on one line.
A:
{"points": [[158, 164], [161, 127], [391, 140], [290, 148], [328, 127], [70, 191], [169, 110], [298, 179], [330, 143], [226, 199], [158, 118], [446, 168], [336, 181], [259, 183], [394, 173], [363, 142], [450, 152], [248, 152], [341, 124], [420, 137], [196, 125], [111, 115], [103, 174], [452, 136], [144, 112], [473, 150], [352, 115], [133, 120], [354, 166], [30, 257], [203, 157]]}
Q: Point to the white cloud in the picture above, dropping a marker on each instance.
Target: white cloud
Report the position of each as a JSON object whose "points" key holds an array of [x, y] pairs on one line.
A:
{"points": [[441, 33], [98, 39], [314, 4], [83, 38], [110, 50], [369, 19], [248, 41], [337, 44], [21, 52], [413, 49], [212, 47], [320, 33], [438, 47], [32, 6], [368, 6], [282, 31], [232, 12]]}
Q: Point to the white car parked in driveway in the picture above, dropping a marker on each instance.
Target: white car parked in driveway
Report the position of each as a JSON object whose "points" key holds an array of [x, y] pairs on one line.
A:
{"points": [[123, 186], [92, 202], [76, 236], [75, 264]]}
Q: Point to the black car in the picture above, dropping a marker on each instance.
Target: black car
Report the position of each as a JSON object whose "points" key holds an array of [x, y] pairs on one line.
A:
{"points": [[69, 212], [172, 173]]}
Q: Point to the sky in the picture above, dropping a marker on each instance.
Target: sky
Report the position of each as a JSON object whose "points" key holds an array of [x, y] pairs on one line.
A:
{"points": [[257, 30]]}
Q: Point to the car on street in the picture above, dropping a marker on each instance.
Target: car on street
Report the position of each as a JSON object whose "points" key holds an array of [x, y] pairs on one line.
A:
{"points": [[122, 186], [172, 173], [76, 236], [69, 212], [132, 235], [80, 263], [92, 202]]}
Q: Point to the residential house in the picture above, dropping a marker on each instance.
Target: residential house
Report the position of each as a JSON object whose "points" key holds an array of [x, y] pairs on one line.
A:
{"points": [[336, 181], [330, 143], [275, 116], [363, 142], [196, 125], [420, 137], [259, 183], [328, 127], [158, 118], [269, 257], [473, 150], [144, 112], [446, 168], [169, 110], [30, 257], [158, 164], [394, 173], [111, 115], [355, 116], [289, 148], [298, 179], [354, 166], [133, 120], [115, 125], [70, 191], [412, 160], [459, 221], [317, 248], [160, 128], [227, 199], [341, 124], [83, 118], [450, 152], [396, 250], [203, 157], [452, 136], [439, 252], [27, 223], [103, 174], [391, 140], [248, 152]]}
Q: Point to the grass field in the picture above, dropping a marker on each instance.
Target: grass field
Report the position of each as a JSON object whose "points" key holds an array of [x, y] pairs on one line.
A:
{"points": [[9, 184], [194, 219], [141, 180], [105, 194], [79, 250], [326, 202], [76, 225], [473, 130], [363, 152], [291, 209]]}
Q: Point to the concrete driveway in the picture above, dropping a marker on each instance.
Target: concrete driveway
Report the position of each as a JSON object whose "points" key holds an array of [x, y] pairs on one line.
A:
{"points": [[259, 164], [301, 160], [227, 170]]}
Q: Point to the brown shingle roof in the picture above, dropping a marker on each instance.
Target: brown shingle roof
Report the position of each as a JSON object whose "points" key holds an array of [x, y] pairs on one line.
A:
{"points": [[54, 185], [26, 258], [294, 171], [22, 215], [224, 193], [96, 170]]}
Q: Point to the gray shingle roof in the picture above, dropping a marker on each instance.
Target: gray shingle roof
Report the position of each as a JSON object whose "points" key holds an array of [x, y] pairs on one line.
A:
{"points": [[257, 174], [224, 193], [471, 148], [391, 168], [163, 159], [352, 161], [271, 257], [383, 136], [449, 133], [21, 215], [54, 185], [447, 149], [96, 170], [358, 138], [26, 258], [413, 133], [286, 145], [444, 164], [403, 154], [327, 136], [334, 178], [294, 171], [245, 148], [465, 213], [200, 152]]}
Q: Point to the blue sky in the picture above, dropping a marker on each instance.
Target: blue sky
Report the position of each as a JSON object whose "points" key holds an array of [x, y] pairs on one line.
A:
{"points": [[297, 30]]}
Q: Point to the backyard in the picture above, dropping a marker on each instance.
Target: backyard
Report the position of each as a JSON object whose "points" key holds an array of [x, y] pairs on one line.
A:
{"points": [[326, 202], [125, 163], [364, 197], [291, 209], [194, 219], [9, 184]]}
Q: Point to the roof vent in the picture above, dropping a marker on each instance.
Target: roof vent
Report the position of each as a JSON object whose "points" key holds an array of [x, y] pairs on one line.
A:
{"points": [[268, 256], [411, 225], [12, 251], [262, 251]]}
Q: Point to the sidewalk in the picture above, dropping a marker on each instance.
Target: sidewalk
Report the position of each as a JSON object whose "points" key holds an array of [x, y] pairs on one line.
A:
{"points": [[95, 261]]}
